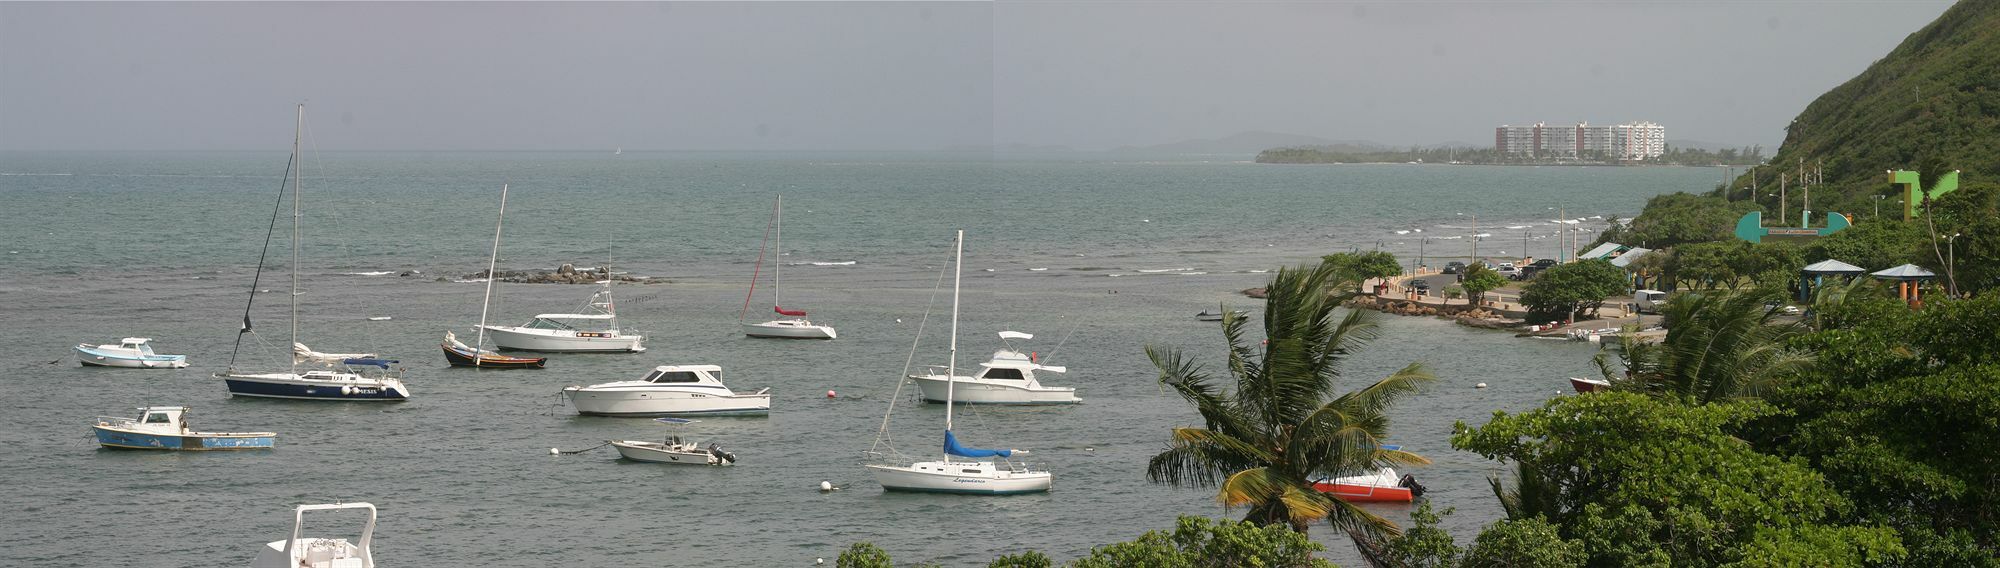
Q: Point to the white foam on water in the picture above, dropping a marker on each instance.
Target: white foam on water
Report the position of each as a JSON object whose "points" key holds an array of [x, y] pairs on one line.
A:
{"points": [[375, 273], [1160, 270]]}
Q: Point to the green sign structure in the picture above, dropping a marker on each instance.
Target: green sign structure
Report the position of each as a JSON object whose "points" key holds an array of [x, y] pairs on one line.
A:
{"points": [[1751, 227], [1913, 189]]}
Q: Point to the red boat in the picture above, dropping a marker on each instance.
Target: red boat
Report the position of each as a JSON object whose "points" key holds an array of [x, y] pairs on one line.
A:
{"points": [[1589, 385], [1381, 485], [461, 355]]}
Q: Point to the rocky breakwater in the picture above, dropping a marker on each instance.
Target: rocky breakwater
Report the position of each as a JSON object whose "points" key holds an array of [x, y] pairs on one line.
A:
{"points": [[1466, 315], [565, 274]]}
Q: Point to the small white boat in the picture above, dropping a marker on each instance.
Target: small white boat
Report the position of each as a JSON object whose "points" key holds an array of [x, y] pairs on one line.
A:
{"points": [[797, 327], [669, 390], [165, 428], [314, 552], [130, 352], [1216, 315], [554, 333], [673, 450], [1008, 378]]}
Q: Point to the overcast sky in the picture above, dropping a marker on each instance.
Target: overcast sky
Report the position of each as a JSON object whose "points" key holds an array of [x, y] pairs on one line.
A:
{"points": [[912, 76]]}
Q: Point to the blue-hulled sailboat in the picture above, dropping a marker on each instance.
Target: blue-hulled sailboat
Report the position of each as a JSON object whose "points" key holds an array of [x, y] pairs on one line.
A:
{"points": [[342, 378], [976, 476]]}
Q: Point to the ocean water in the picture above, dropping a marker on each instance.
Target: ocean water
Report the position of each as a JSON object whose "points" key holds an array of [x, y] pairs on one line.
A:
{"points": [[1097, 258]]}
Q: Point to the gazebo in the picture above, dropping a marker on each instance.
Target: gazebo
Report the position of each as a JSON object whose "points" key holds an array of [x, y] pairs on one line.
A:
{"points": [[1815, 274], [1907, 277]]}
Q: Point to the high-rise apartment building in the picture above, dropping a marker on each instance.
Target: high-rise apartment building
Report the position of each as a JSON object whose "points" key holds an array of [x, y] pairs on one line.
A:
{"points": [[1629, 141]]}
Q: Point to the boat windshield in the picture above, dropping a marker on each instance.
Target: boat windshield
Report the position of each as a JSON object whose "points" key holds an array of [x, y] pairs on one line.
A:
{"points": [[1006, 374], [157, 418], [546, 323], [673, 377]]}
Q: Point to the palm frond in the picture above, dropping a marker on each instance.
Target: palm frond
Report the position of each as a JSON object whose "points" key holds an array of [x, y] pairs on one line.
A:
{"points": [[1197, 458]]}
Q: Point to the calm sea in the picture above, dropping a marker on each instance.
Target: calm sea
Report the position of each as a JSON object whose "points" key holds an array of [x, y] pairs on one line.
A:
{"points": [[1097, 258]]}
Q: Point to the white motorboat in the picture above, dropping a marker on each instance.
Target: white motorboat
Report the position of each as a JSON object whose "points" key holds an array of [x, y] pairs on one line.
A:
{"points": [[669, 390], [1216, 315], [981, 477], [794, 325], [345, 383], [166, 428], [130, 352], [556, 333], [315, 552], [673, 449], [1009, 378]]}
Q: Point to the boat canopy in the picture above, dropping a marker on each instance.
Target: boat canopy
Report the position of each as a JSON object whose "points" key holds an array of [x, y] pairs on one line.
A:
{"points": [[135, 341], [383, 363], [793, 313], [952, 447], [1016, 335]]}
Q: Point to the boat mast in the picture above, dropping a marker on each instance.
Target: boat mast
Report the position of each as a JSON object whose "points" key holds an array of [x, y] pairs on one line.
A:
{"points": [[610, 305], [298, 179], [778, 269], [951, 363], [491, 262]]}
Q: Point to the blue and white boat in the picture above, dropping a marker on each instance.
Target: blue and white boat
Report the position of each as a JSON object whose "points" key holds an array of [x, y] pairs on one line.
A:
{"points": [[342, 379], [165, 428], [130, 352]]}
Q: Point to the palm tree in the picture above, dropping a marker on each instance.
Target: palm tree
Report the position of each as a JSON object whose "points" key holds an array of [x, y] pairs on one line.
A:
{"points": [[1719, 346], [1284, 424]]}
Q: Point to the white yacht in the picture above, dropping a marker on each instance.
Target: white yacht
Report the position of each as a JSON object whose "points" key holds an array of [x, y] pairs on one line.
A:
{"points": [[669, 390], [1008, 378], [310, 552], [555, 333]]}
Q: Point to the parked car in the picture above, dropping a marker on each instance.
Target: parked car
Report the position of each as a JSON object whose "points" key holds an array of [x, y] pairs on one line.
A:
{"points": [[1509, 271], [1544, 264], [1454, 267], [1421, 286]]}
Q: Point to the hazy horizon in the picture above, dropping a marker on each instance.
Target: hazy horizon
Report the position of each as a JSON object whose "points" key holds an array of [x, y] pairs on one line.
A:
{"points": [[877, 76]]}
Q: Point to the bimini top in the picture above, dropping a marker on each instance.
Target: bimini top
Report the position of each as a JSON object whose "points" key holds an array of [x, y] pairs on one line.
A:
{"points": [[135, 341], [1016, 335], [1011, 359]]}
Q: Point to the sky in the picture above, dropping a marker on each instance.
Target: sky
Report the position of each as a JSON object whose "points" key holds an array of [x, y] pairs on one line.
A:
{"points": [[912, 75]]}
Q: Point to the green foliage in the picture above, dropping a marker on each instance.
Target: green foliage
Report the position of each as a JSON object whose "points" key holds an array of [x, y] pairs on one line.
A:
{"points": [[1567, 289], [1360, 154], [1362, 266], [1720, 346], [1679, 218], [1701, 265], [1424, 544], [1639, 481], [1197, 542], [1529, 542], [1478, 279], [863, 555], [1285, 422], [1029, 559], [1900, 415], [1454, 292], [1873, 245]]}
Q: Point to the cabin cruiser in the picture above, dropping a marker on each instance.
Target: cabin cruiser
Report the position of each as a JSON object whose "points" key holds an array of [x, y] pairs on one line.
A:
{"points": [[557, 333], [1008, 378], [669, 390], [130, 352]]}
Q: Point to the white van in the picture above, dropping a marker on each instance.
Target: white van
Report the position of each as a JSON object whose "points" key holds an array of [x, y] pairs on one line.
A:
{"points": [[1648, 301]]}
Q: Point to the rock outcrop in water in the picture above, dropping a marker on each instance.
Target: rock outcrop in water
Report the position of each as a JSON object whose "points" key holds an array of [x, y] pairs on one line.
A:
{"points": [[565, 274]]}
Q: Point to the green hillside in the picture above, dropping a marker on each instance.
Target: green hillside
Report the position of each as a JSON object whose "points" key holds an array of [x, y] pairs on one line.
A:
{"points": [[1936, 96]]}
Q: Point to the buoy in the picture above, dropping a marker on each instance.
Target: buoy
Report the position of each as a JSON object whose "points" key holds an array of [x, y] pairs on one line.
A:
{"points": [[899, 320], [829, 394], [818, 560], [1479, 386], [554, 452], [825, 486]]}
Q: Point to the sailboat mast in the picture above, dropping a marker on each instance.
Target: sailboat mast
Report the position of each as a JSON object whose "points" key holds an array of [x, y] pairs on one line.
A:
{"points": [[298, 179], [491, 263], [778, 270], [951, 364]]}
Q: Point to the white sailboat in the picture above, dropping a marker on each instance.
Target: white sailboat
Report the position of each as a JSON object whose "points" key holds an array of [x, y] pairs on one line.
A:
{"points": [[794, 325], [335, 383], [946, 475], [476, 355]]}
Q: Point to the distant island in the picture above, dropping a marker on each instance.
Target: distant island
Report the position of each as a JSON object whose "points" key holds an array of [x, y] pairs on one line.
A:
{"points": [[1356, 154]]}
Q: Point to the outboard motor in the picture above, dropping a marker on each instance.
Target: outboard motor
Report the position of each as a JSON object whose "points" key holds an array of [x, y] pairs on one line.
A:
{"points": [[716, 450], [1410, 482]]}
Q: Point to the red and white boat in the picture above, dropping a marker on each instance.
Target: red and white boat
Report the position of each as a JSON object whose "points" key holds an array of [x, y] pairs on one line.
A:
{"points": [[1589, 385], [1382, 485]]}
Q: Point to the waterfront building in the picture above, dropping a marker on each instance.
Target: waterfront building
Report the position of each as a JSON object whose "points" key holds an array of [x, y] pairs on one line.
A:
{"points": [[1630, 141]]}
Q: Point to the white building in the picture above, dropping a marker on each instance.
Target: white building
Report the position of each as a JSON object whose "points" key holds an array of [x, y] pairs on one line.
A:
{"points": [[1629, 141]]}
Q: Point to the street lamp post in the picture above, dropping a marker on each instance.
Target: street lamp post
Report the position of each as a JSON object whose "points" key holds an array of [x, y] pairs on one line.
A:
{"points": [[1878, 206]]}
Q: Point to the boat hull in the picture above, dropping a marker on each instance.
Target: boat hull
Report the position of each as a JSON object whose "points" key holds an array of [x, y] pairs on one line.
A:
{"points": [[789, 329], [95, 358], [193, 441], [667, 403], [563, 341], [980, 391], [912, 479], [295, 387], [491, 361], [636, 452], [1587, 385], [1353, 493]]}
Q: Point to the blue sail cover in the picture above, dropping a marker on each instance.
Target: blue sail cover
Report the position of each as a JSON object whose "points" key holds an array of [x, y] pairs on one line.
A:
{"points": [[951, 447], [383, 363]]}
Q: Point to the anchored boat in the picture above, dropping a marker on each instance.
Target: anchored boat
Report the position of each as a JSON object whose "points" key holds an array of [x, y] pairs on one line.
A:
{"points": [[1008, 378], [673, 450], [555, 333], [165, 428], [794, 325], [314, 552], [130, 352], [669, 390]]}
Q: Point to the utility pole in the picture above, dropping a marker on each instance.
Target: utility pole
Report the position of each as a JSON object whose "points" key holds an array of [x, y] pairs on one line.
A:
{"points": [[1562, 234], [1475, 241], [1753, 184], [1781, 196]]}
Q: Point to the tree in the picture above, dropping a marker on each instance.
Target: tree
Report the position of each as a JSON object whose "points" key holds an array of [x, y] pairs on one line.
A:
{"points": [[1640, 481], [1029, 559], [1526, 542], [1702, 265], [1478, 279], [1285, 423], [1565, 290], [864, 555], [1197, 542], [1365, 266], [1720, 346]]}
